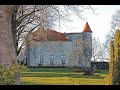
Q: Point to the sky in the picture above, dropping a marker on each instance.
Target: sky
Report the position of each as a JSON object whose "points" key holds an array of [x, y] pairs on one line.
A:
{"points": [[99, 24]]}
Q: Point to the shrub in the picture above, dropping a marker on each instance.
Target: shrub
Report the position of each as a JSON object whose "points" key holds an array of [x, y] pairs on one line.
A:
{"points": [[8, 74]]}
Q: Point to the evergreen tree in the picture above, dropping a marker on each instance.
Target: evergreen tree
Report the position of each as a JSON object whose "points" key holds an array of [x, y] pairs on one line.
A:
{"points": [[111, 67], [116, 58]]}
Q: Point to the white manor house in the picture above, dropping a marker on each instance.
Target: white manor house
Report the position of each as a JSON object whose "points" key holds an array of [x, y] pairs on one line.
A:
{"points": [[52, 48]]}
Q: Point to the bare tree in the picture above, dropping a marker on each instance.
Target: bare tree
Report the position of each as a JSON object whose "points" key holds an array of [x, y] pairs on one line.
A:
{"points": [[85, 55], [97, 49], [25, 19], [99, 52], [28, 18], [114, 24]]}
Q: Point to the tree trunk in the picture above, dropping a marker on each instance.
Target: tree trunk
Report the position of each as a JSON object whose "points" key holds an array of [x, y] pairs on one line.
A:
{"points": [[14, 27], [89, 71], [7, 48]]}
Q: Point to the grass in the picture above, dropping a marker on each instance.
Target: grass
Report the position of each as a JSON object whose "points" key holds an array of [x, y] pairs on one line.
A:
{"points": [[103, 71], [63, 81], [52, 74], [53, 69], [62, 76]]}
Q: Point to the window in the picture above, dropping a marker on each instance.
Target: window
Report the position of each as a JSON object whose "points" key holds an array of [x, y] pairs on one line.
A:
{"points": [[41, 59], [63, 59], [51, 60], [79, 62]]}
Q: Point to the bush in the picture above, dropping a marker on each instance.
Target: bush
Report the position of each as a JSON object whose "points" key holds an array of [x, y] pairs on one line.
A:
{"points": [[8, 74]]}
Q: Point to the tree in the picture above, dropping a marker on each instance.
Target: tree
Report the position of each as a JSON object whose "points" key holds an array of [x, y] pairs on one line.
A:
{"points": [[111, 63], [116, 58], [28, 18], [114, 24], [98, 51], [114, 70], [7, 48], [83, 55]]}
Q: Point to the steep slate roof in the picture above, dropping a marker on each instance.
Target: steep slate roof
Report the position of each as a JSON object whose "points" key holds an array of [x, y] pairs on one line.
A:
{"points": [[47, 35], [87, 28]]}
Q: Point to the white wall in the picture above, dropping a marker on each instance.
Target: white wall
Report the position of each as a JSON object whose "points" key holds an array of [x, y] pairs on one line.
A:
{"points": [[57, 49]]}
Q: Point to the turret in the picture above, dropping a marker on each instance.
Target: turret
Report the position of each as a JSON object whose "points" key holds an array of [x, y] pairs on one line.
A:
{"points": [[87, 32], [87, 43]]}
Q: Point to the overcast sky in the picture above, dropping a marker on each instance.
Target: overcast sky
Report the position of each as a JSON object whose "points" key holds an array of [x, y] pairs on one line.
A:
{"points": [[99, 24]]}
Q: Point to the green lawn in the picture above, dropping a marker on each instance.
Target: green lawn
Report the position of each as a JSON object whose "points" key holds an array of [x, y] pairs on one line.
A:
{"points": [[62, 76], [54, 69]]}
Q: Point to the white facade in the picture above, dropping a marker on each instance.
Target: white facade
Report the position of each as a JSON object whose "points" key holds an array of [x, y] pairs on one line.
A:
{"points": [[50, 53], [57, 53], [60, 49]]}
